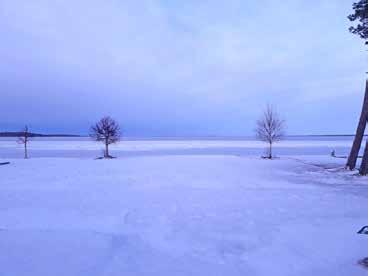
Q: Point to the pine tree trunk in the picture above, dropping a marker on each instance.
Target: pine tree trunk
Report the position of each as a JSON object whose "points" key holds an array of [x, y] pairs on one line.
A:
{"points": [[364, 165], [359, 133]]}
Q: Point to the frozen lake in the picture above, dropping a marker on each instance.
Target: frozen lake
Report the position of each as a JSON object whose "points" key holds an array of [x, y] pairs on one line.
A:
{"points": [[85, 148]]}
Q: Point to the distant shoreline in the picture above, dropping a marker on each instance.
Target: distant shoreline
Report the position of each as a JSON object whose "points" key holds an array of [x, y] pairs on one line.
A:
{"points": [[323, 135], [245, 137], [10, 134], [19, 133]]}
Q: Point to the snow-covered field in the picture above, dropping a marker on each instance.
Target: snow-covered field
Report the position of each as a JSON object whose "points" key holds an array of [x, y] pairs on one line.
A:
{"points": [[179, 213]]}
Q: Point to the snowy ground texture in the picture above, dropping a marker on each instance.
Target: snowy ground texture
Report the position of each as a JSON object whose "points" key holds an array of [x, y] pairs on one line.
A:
{"points": [[178, 214]]}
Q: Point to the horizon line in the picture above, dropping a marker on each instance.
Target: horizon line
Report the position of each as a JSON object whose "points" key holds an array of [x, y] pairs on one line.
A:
{"points": [[176, 136]]}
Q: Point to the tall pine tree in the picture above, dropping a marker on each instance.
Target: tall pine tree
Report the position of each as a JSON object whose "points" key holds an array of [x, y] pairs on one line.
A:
{"points": [[361, 28], [361, 15]]}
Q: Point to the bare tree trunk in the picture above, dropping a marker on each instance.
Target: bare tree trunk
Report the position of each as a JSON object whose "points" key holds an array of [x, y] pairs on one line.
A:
{"points": [[364, 165], [359, 132], [107, 150], [270, 154], [25, 151]]}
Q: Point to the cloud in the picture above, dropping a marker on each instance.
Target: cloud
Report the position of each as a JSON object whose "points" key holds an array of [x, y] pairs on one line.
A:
{"points": [[174, 67]]}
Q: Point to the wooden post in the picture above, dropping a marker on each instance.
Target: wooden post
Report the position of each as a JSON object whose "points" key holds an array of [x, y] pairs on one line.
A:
{"points": [[359, 132]]}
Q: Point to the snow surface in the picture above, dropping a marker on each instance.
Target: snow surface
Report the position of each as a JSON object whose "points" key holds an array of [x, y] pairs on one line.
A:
{"points": [[208, 214]]}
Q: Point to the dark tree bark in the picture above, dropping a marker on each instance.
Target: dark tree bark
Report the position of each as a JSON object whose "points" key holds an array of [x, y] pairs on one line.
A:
{"points": [[107, 154], [270, 155], [359, 133], [364, 165]]}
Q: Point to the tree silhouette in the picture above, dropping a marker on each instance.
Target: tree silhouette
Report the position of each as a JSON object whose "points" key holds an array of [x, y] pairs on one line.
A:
{"points": [[270, 128], [360, 14], [107, 131], [23, 139]]}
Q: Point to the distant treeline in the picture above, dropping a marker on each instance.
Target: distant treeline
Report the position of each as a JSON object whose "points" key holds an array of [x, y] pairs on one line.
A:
{"points": [[20, 133], [324, 135]]}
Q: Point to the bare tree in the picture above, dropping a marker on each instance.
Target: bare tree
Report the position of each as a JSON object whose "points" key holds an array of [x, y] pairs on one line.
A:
{"points": [[270, 128], [23, 139], [107, 131]]}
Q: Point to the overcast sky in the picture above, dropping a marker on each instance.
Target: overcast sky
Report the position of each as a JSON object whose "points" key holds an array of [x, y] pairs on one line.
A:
{"points": [[170, 67]]}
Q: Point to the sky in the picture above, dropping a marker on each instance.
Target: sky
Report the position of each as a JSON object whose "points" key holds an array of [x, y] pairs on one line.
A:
{"points": [[179, 68]]}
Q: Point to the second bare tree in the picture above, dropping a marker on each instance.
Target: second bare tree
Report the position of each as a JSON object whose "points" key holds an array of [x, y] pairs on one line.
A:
{"points": [[23, 139], [270, 128]]}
